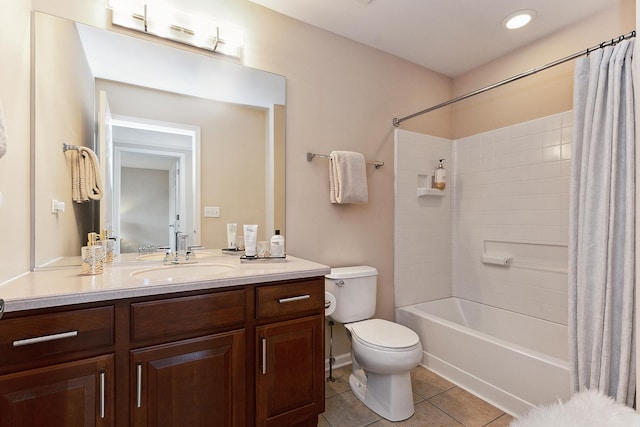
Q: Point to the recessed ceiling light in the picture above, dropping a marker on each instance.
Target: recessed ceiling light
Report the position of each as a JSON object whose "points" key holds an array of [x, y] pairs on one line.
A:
{"points": [[519, 19]]}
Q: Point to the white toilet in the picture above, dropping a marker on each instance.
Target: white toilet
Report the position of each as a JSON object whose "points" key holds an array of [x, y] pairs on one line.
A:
{"points": [[382, 352]]}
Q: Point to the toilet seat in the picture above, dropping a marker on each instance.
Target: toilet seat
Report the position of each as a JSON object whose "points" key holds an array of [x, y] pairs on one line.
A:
{"points": [[384, 335]]}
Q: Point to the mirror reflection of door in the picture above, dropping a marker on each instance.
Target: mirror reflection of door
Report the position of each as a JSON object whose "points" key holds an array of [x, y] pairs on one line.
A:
{"points": [[149, 198], [152, 177]]}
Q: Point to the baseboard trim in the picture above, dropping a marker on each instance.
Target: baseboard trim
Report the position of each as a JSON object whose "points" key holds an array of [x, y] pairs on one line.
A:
{"points": [[341, 361]]}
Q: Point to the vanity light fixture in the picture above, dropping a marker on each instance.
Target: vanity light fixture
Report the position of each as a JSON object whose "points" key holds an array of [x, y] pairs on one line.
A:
{"points": [[519, 19], [160, 20]]}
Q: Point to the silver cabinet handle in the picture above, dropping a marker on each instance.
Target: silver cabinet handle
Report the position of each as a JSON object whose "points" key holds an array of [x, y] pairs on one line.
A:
{"points": [[139, 385], [45, 338], [264, 356], [102, 381], [292, 299]]}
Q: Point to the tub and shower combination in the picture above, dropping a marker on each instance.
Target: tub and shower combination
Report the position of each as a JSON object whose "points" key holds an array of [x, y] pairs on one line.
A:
{"points": [[511, 360]]}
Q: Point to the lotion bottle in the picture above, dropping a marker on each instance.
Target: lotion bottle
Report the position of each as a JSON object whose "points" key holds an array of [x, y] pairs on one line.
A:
{"points": [[250, 240], [440, 176], [277, 245]]}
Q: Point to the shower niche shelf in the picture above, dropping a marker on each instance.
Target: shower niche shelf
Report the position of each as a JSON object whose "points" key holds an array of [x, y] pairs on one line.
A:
{"points": [[425, 188], [424, 191]]}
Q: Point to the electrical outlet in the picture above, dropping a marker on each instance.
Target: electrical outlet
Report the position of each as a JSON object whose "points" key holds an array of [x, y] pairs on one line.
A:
{"points": [[57, 207], [211, 212]]}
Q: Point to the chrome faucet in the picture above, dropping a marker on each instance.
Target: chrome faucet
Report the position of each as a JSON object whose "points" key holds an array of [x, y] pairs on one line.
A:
{"points": [[180, 253]]}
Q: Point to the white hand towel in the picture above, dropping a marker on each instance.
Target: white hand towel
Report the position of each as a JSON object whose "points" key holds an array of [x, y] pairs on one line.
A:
{"points": [[86, 176], [3, 134], [75, 178], [347, 177], [92, 175], [82, 179]]}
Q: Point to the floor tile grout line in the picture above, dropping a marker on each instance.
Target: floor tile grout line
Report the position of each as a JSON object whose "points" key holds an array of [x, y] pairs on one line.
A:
{"points": [[447, 414], [437, 394]]}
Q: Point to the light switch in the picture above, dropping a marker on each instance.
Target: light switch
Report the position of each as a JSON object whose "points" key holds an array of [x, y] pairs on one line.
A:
{"points": [[0, 199], [211, 212]]}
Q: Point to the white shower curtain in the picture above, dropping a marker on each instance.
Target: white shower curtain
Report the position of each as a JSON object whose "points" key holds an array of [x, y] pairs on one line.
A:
{"points": [[602, 225]]}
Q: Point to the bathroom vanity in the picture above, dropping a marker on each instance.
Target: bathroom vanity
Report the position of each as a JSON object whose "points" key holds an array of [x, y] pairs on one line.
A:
{"points": [[243, 348]]}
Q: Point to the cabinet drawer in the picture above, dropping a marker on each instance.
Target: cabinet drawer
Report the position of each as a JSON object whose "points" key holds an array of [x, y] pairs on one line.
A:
{"points": [[285, 299], [185, 315], [42, 336]]}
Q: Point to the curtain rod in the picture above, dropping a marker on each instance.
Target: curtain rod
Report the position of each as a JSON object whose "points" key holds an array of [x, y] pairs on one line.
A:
{"points": [[396, 121]]}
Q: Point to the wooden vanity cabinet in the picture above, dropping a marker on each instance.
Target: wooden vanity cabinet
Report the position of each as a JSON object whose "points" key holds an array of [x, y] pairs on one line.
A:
{"points": [[73, 394], [242, 356], [49, 375], [189, 382], [290, 354]]}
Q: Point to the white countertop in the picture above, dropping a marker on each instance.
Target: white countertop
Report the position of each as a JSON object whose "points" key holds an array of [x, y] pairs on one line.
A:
{"points": [[126, 278]]}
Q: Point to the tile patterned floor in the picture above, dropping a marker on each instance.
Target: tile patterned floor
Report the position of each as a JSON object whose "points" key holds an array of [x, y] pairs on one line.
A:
{"points": [[437, 401]]}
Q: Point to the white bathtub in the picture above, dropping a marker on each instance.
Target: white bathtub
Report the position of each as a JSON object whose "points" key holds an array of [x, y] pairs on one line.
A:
{"points": [[513, 361]]}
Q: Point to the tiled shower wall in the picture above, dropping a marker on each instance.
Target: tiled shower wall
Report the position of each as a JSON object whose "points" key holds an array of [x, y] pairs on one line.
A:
{"points": [[511, 197], [507, 195], [422, 246]]}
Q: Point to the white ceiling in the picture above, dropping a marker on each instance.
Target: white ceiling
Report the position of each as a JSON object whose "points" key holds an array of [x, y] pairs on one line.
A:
{"points": [[447, 36]]}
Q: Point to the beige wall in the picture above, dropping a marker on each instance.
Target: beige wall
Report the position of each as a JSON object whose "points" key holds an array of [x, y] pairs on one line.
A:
{"points": [[64, 111], [14, 166], [545, 93]]}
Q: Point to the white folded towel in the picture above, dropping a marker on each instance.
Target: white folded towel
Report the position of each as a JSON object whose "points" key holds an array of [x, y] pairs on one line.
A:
{"points": [[93, 175], [86, 177], [75, 179], [3, 134], [347, 177]]}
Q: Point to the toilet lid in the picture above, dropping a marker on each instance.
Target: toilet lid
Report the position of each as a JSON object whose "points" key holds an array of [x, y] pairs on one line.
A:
{"points": [[382, 333]]}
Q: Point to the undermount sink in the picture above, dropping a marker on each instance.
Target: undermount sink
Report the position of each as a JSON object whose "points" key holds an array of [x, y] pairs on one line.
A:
{"points": [[182, 272], [159, 256]]}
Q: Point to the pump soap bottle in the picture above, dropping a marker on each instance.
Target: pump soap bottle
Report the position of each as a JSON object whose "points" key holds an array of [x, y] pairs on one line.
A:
{"points": [[93, 255], [440, 176], [277, 245]]}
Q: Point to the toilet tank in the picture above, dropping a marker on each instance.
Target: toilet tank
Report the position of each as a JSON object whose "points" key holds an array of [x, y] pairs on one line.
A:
{"points": [[355, 291]]}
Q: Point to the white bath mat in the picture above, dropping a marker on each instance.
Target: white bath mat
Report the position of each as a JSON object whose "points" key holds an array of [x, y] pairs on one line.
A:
{"points": [[584, 409]]}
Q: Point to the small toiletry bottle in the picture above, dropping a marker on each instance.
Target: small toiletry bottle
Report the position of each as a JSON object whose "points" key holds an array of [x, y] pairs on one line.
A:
{"points": [[108, 244], [250, 240], [440, 176], [277, 245], [231, 236]]}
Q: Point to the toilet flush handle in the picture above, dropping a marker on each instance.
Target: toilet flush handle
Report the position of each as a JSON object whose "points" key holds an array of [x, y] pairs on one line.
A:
{"points": [[340, 283]]}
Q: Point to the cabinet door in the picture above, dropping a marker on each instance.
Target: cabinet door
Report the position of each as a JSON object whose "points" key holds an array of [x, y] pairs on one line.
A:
{"points": [[67, 395], [196, 382], [290, 377]]}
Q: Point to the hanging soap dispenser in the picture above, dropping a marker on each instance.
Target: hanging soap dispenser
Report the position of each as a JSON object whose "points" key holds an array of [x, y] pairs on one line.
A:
{"points": [[440, 176]]}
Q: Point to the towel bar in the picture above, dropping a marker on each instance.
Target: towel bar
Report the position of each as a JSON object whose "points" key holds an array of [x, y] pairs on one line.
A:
{"points": [[67, 147], [310, 156]]}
